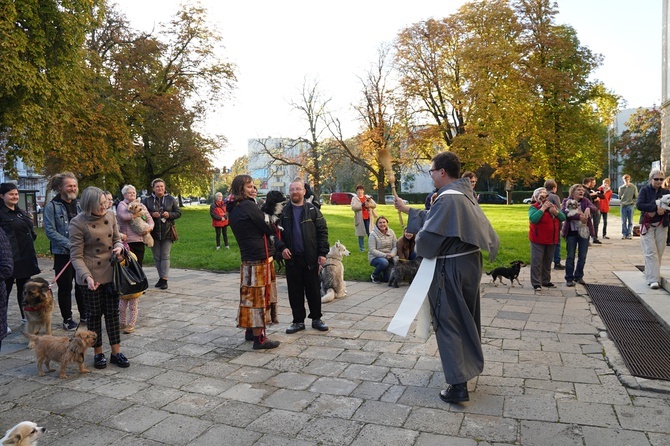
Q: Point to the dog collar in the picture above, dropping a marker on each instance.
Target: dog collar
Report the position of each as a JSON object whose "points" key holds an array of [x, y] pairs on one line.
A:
{"points": [[33, 308]]}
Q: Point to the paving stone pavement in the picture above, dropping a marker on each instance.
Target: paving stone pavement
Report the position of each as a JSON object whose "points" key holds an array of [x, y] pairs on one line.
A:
{"points": [[551, 375]]}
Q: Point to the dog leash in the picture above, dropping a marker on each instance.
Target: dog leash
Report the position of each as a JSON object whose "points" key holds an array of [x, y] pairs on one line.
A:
{"points": [[59, 274]]}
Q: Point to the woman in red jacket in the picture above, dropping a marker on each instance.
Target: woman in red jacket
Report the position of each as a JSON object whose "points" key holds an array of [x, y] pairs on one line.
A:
{"points": [[545, 219], [219, 219], [604, 205]]}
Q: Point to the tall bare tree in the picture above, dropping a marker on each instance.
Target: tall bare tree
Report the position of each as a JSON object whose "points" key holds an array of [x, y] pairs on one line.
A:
{"points": [[379, 129], [305, 152]]}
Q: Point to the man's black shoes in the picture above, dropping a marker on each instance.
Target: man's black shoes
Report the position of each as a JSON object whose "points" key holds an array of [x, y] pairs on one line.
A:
{"points": [[295, 327], [319, 325], [456, 393]]}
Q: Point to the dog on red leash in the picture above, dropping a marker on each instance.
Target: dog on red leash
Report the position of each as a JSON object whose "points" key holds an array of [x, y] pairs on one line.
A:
{"points": [[511, 273]]}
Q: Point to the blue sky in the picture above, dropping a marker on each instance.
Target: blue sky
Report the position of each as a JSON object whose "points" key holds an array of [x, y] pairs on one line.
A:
{"points": [[276, 44]]}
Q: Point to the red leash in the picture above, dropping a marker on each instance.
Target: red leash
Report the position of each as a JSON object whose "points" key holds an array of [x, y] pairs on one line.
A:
{"points": [[59, 274]]}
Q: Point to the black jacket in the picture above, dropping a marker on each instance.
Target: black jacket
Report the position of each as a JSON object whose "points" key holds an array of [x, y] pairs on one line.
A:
{"points": [[18, 226], [314, 233], [166, 203], [250, 230]]}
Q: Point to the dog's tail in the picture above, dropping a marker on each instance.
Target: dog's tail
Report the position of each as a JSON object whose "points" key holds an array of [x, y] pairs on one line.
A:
{"points": [[33, 338], [488, 273], [329, 296]]}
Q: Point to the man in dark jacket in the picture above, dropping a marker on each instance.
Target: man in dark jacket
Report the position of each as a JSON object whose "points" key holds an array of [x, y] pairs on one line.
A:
{"points": [[303, 246]]}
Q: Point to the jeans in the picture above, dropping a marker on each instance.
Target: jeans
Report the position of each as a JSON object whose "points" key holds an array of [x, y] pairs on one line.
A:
{"points": [[627, 220], [603, 215], [574, 243], [557, 252], [161, 252], [361, 239], [381, 271]]}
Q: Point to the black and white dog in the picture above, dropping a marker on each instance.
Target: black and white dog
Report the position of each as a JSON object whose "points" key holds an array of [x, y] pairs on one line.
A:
{"points": [[274, 204]]}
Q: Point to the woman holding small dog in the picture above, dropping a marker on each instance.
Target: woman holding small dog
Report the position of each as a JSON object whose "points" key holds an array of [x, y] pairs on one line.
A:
{"points": [[574, 242], [258, 283], [135, 241], [654, 226], [382, 248], [94, 237], [217, 211], [544, 234], [18, 226]]}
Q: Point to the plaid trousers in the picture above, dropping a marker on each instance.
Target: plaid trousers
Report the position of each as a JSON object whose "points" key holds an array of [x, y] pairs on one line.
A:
{"points": [[102, 302]]}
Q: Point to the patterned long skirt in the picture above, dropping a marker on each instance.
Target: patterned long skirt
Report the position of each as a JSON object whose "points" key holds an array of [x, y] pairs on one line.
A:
{"points": [[258, 292]]}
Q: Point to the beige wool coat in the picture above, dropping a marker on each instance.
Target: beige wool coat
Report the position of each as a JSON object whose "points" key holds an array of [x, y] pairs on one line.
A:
{"points": [[92, 239], [357, 207]]}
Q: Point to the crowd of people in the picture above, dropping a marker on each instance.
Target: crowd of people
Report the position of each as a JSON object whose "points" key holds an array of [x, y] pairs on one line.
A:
{"points": [[452, 230]]}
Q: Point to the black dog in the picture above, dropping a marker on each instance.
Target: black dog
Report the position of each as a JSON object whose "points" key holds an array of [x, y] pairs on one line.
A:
{"points": [[404, 270], [511, 273]]}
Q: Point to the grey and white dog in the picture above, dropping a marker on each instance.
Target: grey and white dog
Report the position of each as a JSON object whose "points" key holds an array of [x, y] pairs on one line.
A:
{"points": [[332, 274]]}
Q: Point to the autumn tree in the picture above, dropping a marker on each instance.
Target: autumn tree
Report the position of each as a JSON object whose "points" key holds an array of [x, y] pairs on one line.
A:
{"points": [[42, 63], [170, 84], [566, 135], [640, 144]]}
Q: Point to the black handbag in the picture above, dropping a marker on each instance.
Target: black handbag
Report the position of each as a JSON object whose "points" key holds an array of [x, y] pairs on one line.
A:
{"points": [[129, 278]]}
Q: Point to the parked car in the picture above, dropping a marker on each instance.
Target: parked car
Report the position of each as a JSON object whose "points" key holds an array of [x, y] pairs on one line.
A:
{"points": [[615, 201], [527, 200], [491, 198], [186, 200], [202, 200], [341, 197], [388, 199]]}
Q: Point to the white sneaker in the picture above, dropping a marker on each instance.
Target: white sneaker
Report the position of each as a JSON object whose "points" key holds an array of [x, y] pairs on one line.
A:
{"points": [[9, 330], [654, 285], [218, 247]]}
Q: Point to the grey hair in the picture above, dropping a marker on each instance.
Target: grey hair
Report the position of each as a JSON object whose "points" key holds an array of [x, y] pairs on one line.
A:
{"points": [[90, 199], [218, 194], [126, 188], [537, 192], [655, 172]]}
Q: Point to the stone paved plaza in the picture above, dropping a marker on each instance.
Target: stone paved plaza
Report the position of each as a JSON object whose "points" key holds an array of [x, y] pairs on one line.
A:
{"points": [[551, 376]]}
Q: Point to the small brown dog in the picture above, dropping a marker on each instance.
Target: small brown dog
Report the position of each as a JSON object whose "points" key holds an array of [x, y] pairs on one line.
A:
{"points": [[25, 433], [38, 305], [138, 223], [62, 349]]}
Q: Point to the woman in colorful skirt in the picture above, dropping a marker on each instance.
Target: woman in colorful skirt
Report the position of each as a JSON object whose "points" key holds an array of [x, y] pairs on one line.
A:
{"points": [[258, 285]]}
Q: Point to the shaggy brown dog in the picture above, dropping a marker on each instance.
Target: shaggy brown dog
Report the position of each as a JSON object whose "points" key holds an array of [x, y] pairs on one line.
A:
{"points": [[38, 305], [62, 349]]}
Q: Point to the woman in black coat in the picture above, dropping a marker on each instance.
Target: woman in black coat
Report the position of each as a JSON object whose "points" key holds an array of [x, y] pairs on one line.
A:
{"points": [[18, 226]]}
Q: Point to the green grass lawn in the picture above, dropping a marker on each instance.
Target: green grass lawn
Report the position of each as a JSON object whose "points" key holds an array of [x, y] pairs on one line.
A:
{"points": [[196, 248]]}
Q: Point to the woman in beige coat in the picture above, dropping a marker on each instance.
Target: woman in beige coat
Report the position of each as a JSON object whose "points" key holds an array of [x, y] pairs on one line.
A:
{"points": [[363, 208], [94, 239]]}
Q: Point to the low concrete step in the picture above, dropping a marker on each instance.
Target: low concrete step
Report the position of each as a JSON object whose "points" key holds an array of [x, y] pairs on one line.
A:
{"points": [[656, 301]]}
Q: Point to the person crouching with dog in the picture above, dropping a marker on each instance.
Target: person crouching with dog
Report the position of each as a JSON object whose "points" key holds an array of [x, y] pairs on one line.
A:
{"points": [[382, 248], [258, 283], [544, 234], [94, 237]]}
